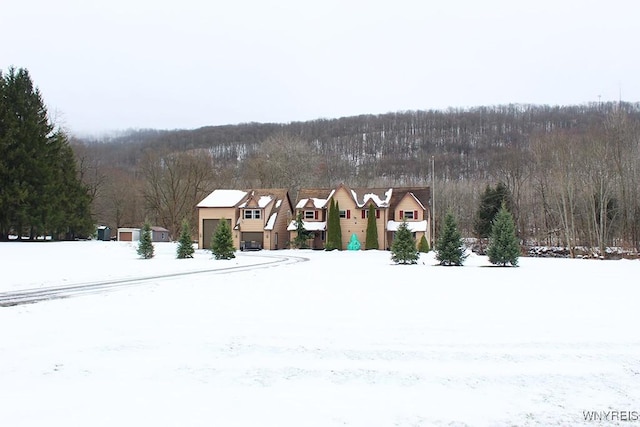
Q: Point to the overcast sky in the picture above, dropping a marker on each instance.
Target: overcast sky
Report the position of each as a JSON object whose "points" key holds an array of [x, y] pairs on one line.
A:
{"points": [[120, 64]]}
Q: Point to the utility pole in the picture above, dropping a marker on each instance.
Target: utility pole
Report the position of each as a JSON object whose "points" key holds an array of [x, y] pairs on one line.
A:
{"points": [[433, 203]]}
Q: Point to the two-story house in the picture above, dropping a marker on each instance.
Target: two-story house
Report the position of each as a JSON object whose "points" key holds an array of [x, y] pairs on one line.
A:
{"points": [[258, 218], [391, 206]]}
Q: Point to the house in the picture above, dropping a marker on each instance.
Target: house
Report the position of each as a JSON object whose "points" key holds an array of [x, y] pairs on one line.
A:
{"points": [[392, 205], [258, 218]]}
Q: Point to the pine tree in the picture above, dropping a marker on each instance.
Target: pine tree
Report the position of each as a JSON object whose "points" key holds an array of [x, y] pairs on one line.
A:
{"points": [[503, 247], [371, 241], [403, 248], [41, 190], [185, 245], [423, 246], [222, 241], [449, 247], [490, 203], [302, 234], [145, 246]]}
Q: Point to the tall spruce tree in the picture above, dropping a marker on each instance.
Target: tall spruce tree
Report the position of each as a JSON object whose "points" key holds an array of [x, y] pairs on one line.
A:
{"points": [[145, 246], [403, 248], [503, 247], [41, 191], [222, 241], [185, 245], [371, 242], [449, 247], [490, 202]]}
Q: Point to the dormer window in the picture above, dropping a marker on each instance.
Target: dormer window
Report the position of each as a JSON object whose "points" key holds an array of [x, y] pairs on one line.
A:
{"points": [[252, 214], [310, 215]]}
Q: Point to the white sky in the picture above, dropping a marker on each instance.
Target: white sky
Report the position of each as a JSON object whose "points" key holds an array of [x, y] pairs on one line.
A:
{"points": [[157, 64]]}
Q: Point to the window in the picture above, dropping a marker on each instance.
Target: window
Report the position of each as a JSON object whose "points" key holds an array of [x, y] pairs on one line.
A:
{"points": [[309, 215], [365, 213], [252, 214], [345, 214], [409, 214]]}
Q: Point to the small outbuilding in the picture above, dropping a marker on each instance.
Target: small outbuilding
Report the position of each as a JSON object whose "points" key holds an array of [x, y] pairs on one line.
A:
{"points": [[126, 234], [160, 234], [104, 233]]}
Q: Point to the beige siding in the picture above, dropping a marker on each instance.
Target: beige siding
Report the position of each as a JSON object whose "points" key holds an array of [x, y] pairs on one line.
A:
{"points": [[217, 213], [280, 227], [409, 204], [351, 225]]}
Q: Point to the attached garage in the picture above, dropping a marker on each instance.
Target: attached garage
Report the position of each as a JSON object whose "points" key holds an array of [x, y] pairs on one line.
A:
{"points": [[251, 240], [209, 227]]}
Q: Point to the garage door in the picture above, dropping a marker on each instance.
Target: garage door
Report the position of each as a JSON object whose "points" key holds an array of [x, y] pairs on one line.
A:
{"points": [[208, 228], [125, 236], [252, 240]]}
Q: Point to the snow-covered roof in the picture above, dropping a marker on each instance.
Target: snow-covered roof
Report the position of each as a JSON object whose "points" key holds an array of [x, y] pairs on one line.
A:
{"points": [[278, 203], [271, 222], [317, 203], [222, 199], [263, 201], [309, 226], [377, 200], [412, 225]]}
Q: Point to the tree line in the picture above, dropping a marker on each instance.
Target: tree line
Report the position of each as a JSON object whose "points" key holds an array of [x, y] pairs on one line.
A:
{"points": [[572, 172], [42, 192]]}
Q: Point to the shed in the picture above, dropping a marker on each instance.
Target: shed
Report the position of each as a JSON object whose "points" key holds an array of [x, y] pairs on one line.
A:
{"points": [[160, 234], [128, 234], [104, 233]]}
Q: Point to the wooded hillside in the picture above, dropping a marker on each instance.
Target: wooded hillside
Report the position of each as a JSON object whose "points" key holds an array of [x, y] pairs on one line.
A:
{"points": [[574, 172]]}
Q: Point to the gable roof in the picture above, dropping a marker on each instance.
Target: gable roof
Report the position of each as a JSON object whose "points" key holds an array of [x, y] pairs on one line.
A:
{"points": [[383, 197], [421, 194], [317, 196]]}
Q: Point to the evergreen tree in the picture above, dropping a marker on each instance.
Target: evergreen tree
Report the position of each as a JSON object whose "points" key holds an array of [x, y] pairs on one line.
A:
{"points": [[333, 239], [371, 242], [503, 247], [423, 246], [185, 245], [337, 228], [41, 190], [302, 234], [145, 246], [403, 248], [449, 247], [490, 202], [222, 241]]}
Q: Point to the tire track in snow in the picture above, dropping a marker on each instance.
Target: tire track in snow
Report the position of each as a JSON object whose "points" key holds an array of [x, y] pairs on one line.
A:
{"points": [[33, 295]]}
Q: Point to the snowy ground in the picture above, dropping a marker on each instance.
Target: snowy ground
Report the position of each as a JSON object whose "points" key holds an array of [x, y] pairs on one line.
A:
{"points": [[346, 338]]}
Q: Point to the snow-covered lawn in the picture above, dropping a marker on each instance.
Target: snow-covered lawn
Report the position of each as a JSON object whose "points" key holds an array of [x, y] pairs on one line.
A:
{"points": [[347, 338]]}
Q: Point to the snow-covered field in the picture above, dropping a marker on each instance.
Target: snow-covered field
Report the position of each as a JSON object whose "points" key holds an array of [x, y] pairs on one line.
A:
{"points": [[346, 338]]}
